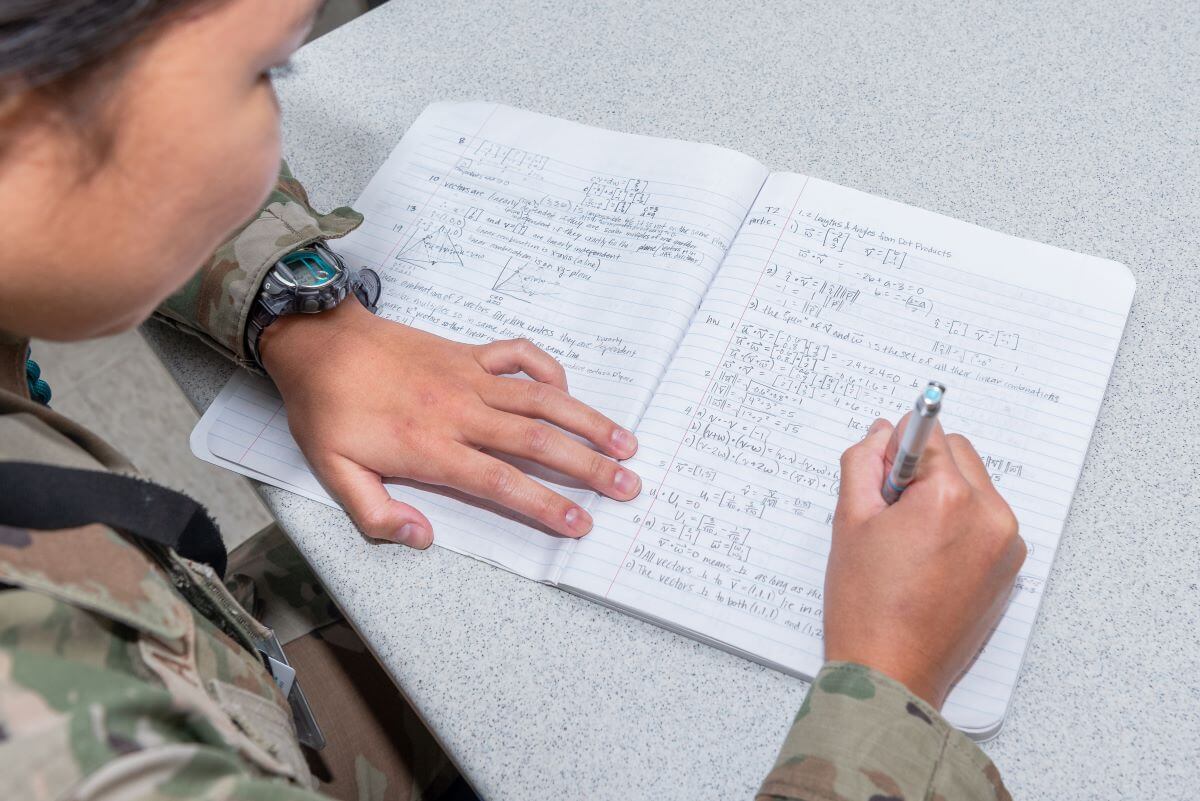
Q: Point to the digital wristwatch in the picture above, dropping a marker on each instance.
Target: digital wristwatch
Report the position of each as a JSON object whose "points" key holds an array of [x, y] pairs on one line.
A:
{"points": [[306, 281]]}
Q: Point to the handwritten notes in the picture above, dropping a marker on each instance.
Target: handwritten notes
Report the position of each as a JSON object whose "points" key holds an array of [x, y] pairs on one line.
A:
{"points": [[597, 252], [750, 327], [491, 223], [831, 309]]}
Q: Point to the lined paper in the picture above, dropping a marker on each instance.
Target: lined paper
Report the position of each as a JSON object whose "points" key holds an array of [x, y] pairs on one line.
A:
{"points": [[749, 327], [833, 308], [491, 223]]}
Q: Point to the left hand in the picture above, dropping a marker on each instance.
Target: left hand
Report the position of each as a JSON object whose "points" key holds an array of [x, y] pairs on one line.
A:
{"points": [[369, 399]]}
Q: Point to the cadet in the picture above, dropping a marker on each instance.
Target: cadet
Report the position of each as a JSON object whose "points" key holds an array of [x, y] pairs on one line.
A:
{"points": [[136, 136]]}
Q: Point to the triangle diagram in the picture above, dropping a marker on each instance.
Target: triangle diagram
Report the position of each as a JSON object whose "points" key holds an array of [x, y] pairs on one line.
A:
{"points": [[430, 250]]}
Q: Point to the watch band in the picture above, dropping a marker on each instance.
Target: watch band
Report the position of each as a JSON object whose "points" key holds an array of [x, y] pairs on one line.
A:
{"points": [[367, 287], [260, 317], [279, 297]]}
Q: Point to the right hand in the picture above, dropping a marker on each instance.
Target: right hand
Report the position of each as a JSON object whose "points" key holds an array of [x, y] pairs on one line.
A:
{"points": [[914, 589]]}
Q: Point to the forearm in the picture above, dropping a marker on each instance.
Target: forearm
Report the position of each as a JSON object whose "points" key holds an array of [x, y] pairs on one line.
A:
{"points": [[215, 304], [860, 735]]}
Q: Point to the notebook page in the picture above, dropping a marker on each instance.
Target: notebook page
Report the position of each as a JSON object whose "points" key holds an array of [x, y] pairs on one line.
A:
{"points": [[488, 223], [832, 308]]}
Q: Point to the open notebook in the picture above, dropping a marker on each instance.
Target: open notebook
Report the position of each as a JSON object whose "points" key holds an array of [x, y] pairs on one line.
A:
{"points": [[748, 326]]}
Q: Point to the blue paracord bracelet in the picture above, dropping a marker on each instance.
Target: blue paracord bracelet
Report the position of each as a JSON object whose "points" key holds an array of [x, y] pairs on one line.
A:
{"points": [[39, 390]]}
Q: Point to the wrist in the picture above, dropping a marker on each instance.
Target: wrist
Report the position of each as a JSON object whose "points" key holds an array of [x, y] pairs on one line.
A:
{"points": [[919, 683], [293, 335]]}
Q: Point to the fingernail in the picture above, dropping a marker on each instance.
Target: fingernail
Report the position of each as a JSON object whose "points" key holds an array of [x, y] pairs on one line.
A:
{"points": [[579, 521], [411, 534], [623, 440], [878, 424], [626, 481]]}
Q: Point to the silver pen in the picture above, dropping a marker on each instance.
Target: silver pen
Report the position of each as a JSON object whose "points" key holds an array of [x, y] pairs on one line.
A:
{"points": [[912, 444]]}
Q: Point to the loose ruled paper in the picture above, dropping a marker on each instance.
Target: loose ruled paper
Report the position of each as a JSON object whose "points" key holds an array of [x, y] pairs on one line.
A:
{"points": [[488, 223], [833, 308]]}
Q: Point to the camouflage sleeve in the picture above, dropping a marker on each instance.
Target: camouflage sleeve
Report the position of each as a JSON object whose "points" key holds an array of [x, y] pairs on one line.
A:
{"points": [[860, 735], [216, 303]]}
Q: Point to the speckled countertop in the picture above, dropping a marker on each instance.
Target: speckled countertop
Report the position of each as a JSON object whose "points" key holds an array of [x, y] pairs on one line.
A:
{"points": [[1071, 123]]}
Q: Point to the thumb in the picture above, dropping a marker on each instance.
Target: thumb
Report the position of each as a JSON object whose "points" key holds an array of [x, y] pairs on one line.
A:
{"points": [[863, 468], [376, 513]]}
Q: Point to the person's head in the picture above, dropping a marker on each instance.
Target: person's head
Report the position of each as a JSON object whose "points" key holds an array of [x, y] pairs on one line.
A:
{"points": [[134, 136]]}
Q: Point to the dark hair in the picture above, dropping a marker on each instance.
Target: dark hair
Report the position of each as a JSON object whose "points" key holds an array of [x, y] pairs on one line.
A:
{"points": [[46, 41], [67, 51]]}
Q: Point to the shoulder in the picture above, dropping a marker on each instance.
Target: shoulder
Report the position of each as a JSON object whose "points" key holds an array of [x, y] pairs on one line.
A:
{"points": [[74, 606], [106, 671], [95, 568]]}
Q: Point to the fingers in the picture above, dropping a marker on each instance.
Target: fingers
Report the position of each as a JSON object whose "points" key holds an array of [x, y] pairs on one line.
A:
{"points": [[976, 474], [487, 477], [376, 513], [947, 455], [550, 403], [863, 471], [893, 445], [521, 356], [529, 439], [969, 464], [936, 459]]}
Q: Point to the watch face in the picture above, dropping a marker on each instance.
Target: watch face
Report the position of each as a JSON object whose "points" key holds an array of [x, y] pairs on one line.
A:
{"points": [[310, 269]]}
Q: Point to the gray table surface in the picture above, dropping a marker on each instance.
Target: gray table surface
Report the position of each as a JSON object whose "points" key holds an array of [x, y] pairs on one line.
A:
{"points": [[1071, 123]]}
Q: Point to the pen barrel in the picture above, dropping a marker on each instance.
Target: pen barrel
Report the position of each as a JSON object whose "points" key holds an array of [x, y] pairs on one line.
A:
{"points": [[890, 493], [912, 444]]}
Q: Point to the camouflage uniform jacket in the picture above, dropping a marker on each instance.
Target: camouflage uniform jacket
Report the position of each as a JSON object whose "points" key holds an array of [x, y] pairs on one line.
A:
{"points": [[127, 672]]}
